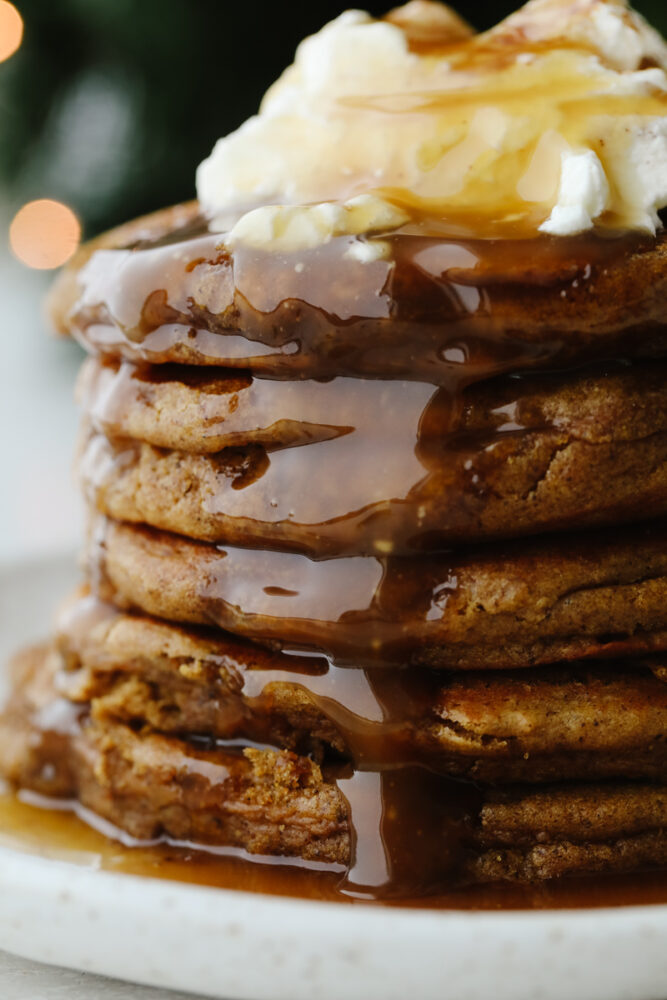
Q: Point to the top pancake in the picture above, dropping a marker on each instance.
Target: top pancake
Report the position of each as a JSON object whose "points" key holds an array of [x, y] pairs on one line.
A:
{"points": [[164, 289]]}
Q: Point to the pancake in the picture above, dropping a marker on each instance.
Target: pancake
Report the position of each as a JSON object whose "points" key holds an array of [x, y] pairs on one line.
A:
{"points": [[602, 594], [149, 673], [166, 290], [562, 830], [375, 575], [575, 451], [263, 801], [267, 802], [564, 723], [205, 410]]}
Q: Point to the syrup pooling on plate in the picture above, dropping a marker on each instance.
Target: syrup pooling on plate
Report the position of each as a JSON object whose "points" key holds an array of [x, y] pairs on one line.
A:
{"points": [[391, 798], [30, 824], [381, 766], [393, 805], [454, 287]]}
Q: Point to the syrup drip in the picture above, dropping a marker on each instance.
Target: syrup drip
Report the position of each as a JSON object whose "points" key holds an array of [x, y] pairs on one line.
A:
{"points": [[412, 830], [439, 309], [375, 713], [233, 409], [408, 832], [371, 611], [65, 832], [421, 476], [392, 795]]}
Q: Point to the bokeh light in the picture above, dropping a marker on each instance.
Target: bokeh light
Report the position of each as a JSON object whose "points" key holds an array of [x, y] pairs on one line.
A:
{"points": [[11, 29], [44, 234]]}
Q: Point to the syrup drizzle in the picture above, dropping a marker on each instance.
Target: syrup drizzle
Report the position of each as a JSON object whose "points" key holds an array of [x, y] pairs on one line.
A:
{"points": [[385, 478], [412, 829], [63, 831], [441, 310], [372, 611]]}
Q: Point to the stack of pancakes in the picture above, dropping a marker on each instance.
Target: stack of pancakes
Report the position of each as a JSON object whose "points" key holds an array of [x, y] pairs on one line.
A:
{"points": [[376, 566]]}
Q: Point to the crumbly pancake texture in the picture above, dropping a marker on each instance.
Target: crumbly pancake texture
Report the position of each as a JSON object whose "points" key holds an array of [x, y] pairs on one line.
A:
{"points": [[576, 722], [270, 802], [563, 830], [149, 785]]}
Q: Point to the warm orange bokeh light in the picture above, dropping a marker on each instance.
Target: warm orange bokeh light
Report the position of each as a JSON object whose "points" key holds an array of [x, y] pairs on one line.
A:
{"points": [[11, 29], [44, 234]]}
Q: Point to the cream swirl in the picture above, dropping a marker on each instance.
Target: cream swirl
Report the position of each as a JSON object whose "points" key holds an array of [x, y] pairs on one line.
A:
{"points": [[554, 120]]}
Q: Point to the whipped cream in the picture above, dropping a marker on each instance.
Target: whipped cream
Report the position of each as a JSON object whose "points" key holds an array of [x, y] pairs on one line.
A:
{"points": [[555, 120], [284, 227]]}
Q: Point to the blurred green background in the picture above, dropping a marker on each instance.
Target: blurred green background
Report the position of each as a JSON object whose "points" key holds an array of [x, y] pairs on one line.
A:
{"points": [[109, 105]]}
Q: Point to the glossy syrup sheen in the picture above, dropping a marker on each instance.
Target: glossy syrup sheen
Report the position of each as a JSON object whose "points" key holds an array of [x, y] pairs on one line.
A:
{"points": [[391, 798], [393, 468], [33, 826], [366, 611], [415, 827], [440, 309], [443, 309]]}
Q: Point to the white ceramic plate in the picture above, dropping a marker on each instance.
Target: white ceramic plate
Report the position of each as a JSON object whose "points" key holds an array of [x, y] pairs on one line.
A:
{"points": [[242, 946]]}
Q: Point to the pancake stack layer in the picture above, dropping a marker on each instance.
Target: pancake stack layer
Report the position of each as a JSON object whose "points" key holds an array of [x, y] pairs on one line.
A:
{"points": [[376, 565]]}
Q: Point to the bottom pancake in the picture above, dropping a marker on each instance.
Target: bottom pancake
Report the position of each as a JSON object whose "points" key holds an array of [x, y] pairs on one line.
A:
{"points": [[150, 785], [566, 829], [277, 803]]}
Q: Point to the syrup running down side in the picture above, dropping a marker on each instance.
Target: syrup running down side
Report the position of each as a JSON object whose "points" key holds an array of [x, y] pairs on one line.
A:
{"points": [[382, 768], [586, 720], [518, 455], [440, 314], [511, 604], [357, 405], [440, 309], [412, 830]]}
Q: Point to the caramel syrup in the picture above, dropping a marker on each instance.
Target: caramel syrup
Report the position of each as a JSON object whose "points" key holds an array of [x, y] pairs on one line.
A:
{"points": [[65, 832], [392, 478], [441, 309], [384, 611], [412, 831]]}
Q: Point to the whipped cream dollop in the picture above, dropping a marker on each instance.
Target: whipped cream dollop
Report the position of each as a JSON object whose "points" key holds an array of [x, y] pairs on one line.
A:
{"points": [[554, 120]]}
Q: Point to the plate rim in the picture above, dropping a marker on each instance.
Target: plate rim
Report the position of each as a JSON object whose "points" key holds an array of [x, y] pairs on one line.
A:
{"points": [[59, 913]]}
